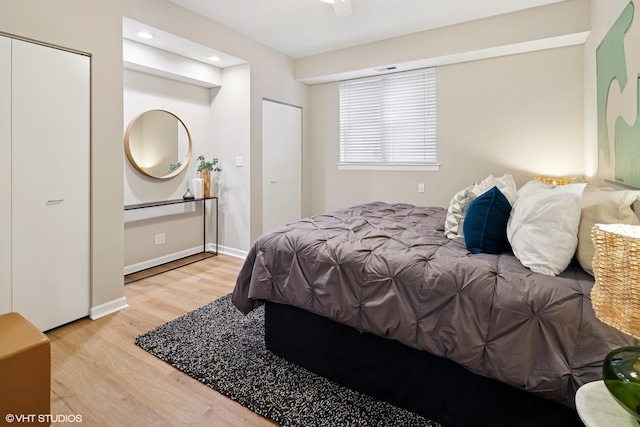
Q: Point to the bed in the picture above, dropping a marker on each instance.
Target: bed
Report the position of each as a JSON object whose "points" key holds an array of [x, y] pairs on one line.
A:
{"points": [[378, 298]]}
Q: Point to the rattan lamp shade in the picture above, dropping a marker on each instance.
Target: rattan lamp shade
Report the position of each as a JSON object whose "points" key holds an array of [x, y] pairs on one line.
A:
{"points": [[616, 267]]}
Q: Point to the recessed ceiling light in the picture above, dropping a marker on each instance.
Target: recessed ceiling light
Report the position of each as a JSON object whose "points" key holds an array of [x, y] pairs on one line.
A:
{"points": [[328, 1], [215, 59], [145, 35]]}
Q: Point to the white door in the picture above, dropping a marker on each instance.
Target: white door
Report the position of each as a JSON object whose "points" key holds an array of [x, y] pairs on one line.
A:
{"points": [[5, 174], [50, 184], [281, 164]]}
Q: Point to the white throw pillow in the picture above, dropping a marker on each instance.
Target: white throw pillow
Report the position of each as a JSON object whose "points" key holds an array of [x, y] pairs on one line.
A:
{"points": [[505, 183], [602, 205], [602, 213], [456, 212], [543, 226], [459, 203], [594, 195]]}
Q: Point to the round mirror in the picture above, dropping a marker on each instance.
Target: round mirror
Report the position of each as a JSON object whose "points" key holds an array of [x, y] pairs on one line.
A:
{"points": [[158, 144]]}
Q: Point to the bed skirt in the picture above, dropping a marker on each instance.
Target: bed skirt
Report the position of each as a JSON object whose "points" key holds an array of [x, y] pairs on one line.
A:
{"points": [[434, 387]]}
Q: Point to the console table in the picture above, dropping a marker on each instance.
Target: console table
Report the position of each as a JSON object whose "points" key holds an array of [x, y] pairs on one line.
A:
{"points": [[204, 217]]}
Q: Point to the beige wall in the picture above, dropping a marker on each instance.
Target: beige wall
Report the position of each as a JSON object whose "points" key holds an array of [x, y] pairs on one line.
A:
{"points": [[491, 109], [271, 76], [218, 121], [95, 27], [520, 114], [528, 29], [183, 231], [181, 224], [231, 121]]}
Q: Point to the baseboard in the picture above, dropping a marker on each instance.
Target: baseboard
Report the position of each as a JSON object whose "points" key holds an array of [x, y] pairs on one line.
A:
{"points": [[211, 247], [236, 253], [108, 308], [133, 268]]}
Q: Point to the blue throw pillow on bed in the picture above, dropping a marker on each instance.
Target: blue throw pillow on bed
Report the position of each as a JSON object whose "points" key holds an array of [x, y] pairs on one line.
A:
{"points": [[485, 225]]}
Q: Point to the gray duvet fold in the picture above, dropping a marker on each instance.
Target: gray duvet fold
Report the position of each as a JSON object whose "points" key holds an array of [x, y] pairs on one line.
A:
{"points": [[389, 269]]}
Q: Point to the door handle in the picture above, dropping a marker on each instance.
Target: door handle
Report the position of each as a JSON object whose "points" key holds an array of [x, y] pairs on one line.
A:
{"points": [[54, 202]]}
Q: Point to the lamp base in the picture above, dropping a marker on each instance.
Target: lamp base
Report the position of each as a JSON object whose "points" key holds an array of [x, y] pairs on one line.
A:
{"points": [[622, 379]]}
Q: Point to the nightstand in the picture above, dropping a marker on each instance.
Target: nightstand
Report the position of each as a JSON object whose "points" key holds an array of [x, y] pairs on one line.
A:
{"points": [[597, 408]]}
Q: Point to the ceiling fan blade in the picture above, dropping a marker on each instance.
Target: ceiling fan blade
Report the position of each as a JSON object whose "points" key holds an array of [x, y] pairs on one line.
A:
{"points": [[342, 8]]}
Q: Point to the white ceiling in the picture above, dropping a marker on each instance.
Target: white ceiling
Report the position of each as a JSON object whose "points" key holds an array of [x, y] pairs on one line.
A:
{"points": [[301, 28]]}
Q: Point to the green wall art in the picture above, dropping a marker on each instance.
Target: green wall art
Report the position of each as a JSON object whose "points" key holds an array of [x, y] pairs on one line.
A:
{"points": [[618, 101]]}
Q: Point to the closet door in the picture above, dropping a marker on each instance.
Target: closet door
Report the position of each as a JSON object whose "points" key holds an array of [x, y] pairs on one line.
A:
{"points": [[5, 174], [50, 184], [281, 164]]}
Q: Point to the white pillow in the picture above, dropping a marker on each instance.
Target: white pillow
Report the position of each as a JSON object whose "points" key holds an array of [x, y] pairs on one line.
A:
{"points": [[543, 226], [602, 205], [532, 187], [601, 213], [594, 195], [459, 203], [505, 183]]}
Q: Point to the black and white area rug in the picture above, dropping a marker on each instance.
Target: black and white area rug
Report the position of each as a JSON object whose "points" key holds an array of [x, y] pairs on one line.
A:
{"points": [[220, 347]]}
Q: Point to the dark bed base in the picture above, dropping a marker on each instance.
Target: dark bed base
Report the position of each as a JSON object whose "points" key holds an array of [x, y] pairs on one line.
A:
{"points": [[434, 387]]}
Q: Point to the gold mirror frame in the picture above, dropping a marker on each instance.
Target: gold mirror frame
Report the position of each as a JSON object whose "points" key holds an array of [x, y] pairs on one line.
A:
{"points": [[132, 140]]}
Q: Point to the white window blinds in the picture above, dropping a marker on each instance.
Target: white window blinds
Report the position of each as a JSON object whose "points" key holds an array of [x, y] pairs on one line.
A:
{"points": [[389, 119]]}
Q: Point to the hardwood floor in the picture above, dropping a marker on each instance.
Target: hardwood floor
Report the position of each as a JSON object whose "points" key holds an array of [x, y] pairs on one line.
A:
{"points": [[98, 372]]}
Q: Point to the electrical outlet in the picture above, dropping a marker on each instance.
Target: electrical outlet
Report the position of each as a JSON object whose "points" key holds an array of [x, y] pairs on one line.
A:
{"points": [[239, 162], [160, 239], [420, 188]]}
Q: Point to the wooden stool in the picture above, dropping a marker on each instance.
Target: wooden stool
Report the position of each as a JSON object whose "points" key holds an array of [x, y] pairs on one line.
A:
{"points": [[25, 371]]}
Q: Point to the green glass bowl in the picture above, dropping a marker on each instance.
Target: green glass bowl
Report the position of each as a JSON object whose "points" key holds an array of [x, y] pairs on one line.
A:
{"points": [[623, 379]]}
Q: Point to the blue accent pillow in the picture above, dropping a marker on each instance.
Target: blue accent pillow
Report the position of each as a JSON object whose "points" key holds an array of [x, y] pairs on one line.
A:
{"points": [[485, 225]]}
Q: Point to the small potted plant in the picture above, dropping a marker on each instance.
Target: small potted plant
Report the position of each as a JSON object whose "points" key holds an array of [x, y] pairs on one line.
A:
{"points": [[210, 166], [204, 169]]}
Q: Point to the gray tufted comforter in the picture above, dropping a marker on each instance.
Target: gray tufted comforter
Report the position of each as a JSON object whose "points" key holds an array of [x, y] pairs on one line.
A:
{"points": [[388, 269]]}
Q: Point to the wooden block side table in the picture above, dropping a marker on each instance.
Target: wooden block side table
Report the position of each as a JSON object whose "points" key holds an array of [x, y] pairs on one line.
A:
{"points": [[25, 370]]}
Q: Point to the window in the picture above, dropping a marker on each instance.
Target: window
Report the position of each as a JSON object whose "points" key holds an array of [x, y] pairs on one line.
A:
{"points": [[389, 122]]}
